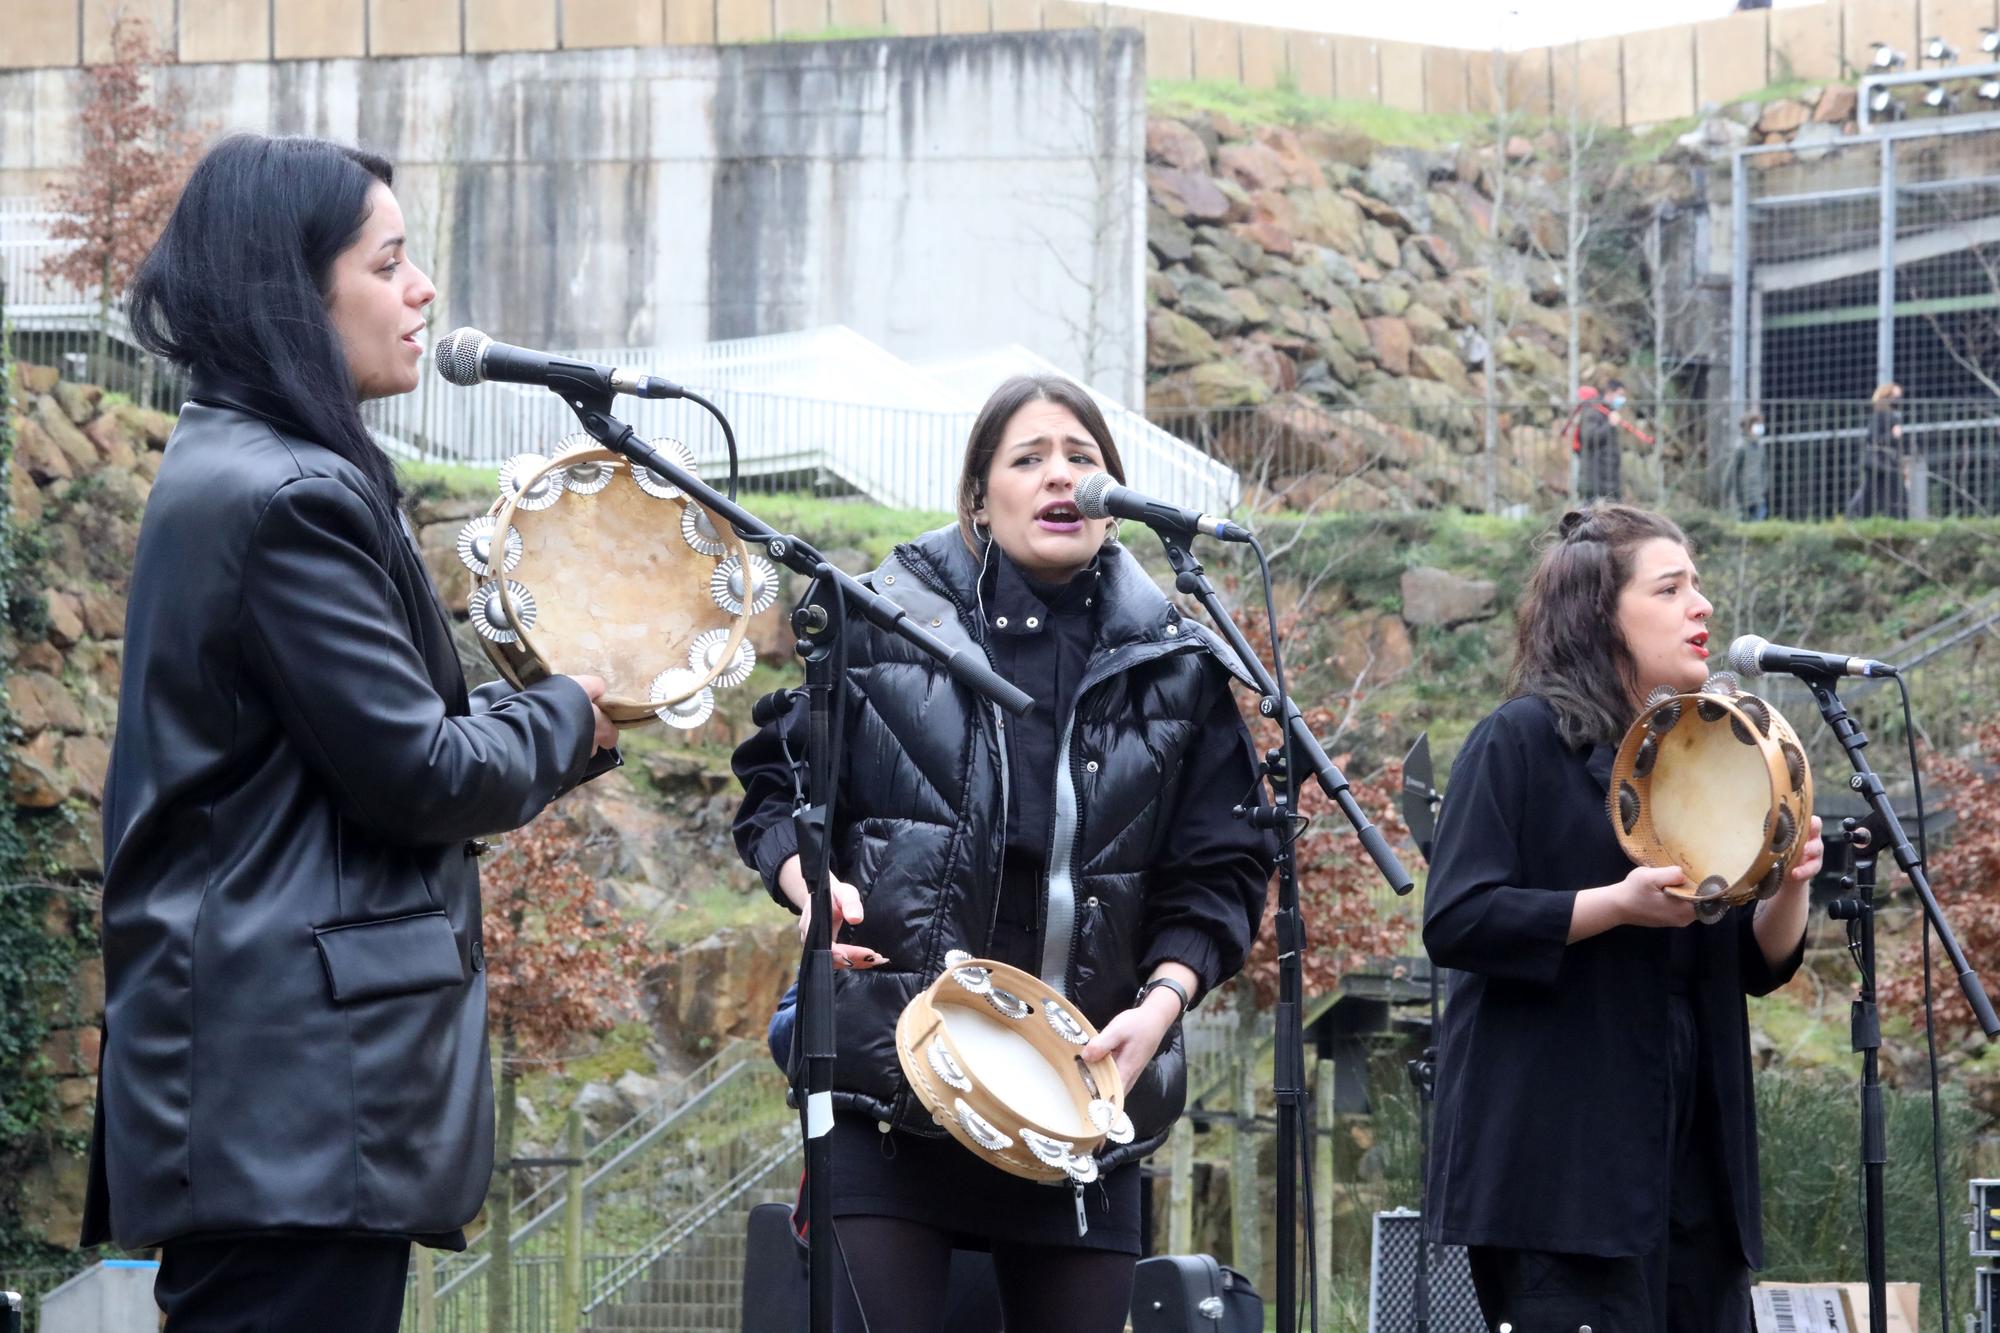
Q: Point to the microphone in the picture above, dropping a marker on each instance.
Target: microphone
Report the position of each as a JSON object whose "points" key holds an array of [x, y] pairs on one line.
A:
{"points": [[467, 356], [1750, 655], [1100, 496]]}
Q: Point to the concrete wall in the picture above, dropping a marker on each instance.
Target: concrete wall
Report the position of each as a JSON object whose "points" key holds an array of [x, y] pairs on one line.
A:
{"points": [[1639, 78], [937, 195]]}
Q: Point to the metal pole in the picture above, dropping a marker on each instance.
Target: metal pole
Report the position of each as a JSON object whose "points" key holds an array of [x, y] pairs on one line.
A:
{"points": [[569, 1298], [1180, 1188], [424, 1264], [1885, 277], [1739, 278], [1323, 1183]]}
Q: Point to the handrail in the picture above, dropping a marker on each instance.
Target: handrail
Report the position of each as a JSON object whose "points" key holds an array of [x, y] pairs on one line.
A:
{"points": [[474, 1263], [663, 1242]]}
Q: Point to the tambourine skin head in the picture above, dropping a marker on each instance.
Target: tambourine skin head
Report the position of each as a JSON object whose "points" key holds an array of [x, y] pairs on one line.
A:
{"points": [[617, 591], [1716, 783], [991, 1053]]}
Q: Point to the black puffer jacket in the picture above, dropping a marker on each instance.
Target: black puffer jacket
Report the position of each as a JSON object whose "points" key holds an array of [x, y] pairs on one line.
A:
{"points": [[923, 800]]}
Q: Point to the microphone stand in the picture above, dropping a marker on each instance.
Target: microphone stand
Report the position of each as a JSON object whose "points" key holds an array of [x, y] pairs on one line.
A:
{"points": [[820, 620], [1288, 1039], [1866, 1039], [1421, 801], [1861, 924]]}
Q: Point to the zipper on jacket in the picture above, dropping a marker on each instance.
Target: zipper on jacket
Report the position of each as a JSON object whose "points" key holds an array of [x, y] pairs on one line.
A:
{"points": [[1059, 929], [1000, 862]]}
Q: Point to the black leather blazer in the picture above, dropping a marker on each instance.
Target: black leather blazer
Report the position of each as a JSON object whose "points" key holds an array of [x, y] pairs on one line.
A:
{"points": [[295, 1016]]}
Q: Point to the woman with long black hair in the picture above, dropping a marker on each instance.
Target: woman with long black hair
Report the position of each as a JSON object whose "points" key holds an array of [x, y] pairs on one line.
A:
{"points": [[1596, 1143], [295, 1083], [1091, 843]]}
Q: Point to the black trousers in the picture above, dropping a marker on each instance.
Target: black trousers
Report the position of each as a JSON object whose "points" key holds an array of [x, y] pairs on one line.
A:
{"points": [[283, 1284], [1695, 1282]]}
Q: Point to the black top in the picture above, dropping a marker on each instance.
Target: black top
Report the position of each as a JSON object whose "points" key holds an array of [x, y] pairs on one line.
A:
{"points": [[1551, 1084], [1039, 636]]}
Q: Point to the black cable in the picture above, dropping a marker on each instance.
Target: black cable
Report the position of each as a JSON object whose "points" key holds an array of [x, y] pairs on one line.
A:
{"points": [[728, 436], [1930, 1025]]}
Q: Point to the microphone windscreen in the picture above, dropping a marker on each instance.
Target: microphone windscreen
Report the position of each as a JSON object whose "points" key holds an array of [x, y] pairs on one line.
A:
{"points": [[1743, 659], [457, 356], [1090, 495]]}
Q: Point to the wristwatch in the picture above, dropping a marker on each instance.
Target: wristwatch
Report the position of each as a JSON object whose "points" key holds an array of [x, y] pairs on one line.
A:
{"points": [[1187, 1001]]}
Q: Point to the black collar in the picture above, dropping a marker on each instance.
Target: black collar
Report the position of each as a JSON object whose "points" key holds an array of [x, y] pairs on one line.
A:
{"points": [[213, 388], [1018, 603]]}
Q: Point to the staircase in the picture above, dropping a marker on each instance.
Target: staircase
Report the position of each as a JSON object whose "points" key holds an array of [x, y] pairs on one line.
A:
{"points": [[690, 1280], [676, 1172]]}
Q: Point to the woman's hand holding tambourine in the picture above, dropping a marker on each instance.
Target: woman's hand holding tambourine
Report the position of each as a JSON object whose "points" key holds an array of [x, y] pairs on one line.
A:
{"points": [[846, 912], [1811, 860], [604, 733], [1643, 900], [1133, 1036]]}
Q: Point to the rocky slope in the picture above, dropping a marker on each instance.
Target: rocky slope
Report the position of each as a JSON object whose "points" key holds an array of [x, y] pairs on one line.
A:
{"points": [[1339, 290]]}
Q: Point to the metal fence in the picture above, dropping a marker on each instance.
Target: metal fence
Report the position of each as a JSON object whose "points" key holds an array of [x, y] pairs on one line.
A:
{"points": [[1401, 457], [1865, 262]]}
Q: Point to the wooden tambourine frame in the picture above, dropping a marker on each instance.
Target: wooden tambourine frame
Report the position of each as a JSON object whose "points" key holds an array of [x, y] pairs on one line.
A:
{"points": [[523, 663], [932, 1056], [1717, 784]]}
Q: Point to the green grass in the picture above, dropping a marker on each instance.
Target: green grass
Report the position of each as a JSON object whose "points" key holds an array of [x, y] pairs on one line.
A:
{"points": [[457, 481], [717, 907], [1650, 144], [1285, 106], [839, 32]]}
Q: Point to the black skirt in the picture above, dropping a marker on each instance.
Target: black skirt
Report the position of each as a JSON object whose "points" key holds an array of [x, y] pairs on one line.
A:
{"points": [[943, 1184]]}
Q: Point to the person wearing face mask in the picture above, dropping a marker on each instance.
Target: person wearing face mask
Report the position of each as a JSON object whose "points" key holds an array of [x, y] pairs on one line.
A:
{"points": [[1596, 1147], [1744, 484], [1598, 444], [294, 1078], [1091, 843]]}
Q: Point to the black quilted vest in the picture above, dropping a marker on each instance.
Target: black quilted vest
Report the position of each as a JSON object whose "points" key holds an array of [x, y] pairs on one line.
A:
{"points": [[923, 797]]}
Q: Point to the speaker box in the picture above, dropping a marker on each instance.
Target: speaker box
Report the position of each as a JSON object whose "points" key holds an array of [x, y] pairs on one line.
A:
{"points": [[1392, 1286]]}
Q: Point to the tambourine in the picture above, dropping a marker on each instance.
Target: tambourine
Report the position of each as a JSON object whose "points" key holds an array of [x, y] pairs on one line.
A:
{"points": [[995, 1055], [605, 568], [1717, 784]]}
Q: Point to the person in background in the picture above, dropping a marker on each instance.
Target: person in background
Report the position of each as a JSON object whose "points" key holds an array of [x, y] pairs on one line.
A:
{"points": [[1744, 484], [1598, 454], [1884, 485]]}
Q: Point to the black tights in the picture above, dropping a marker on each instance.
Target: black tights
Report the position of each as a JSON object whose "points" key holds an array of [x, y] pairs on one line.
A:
{"points": [[900, 1269]]}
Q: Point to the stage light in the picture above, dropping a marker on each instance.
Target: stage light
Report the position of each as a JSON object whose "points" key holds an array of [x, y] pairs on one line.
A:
{"points": [[1884, 107], [1989, 40], [1939, 51], [1938, 100], [1989, 91], [1886, 57]]}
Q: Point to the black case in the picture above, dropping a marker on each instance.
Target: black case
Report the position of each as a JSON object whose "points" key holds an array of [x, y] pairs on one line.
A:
{"points": [[1192, 1293], [774, 1281]]}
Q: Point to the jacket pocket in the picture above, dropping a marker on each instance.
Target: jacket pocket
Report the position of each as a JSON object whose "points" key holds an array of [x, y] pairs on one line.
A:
{"points": [[367, 960]]}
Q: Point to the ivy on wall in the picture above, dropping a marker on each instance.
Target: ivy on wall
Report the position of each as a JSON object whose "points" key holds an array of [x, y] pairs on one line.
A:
{"points": [[43, 935]]}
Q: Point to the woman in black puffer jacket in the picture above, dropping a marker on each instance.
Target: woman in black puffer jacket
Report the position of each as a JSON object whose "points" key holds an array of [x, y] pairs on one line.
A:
{"points": [[1091, 842]]}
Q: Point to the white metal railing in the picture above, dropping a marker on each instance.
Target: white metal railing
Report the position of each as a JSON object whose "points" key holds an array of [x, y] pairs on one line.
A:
{"points": [[26, 247], [815, 403], [905, 456]]}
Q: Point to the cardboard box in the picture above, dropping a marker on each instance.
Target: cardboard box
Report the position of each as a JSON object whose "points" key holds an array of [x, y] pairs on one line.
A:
{"points": [[1829, 1307]]}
